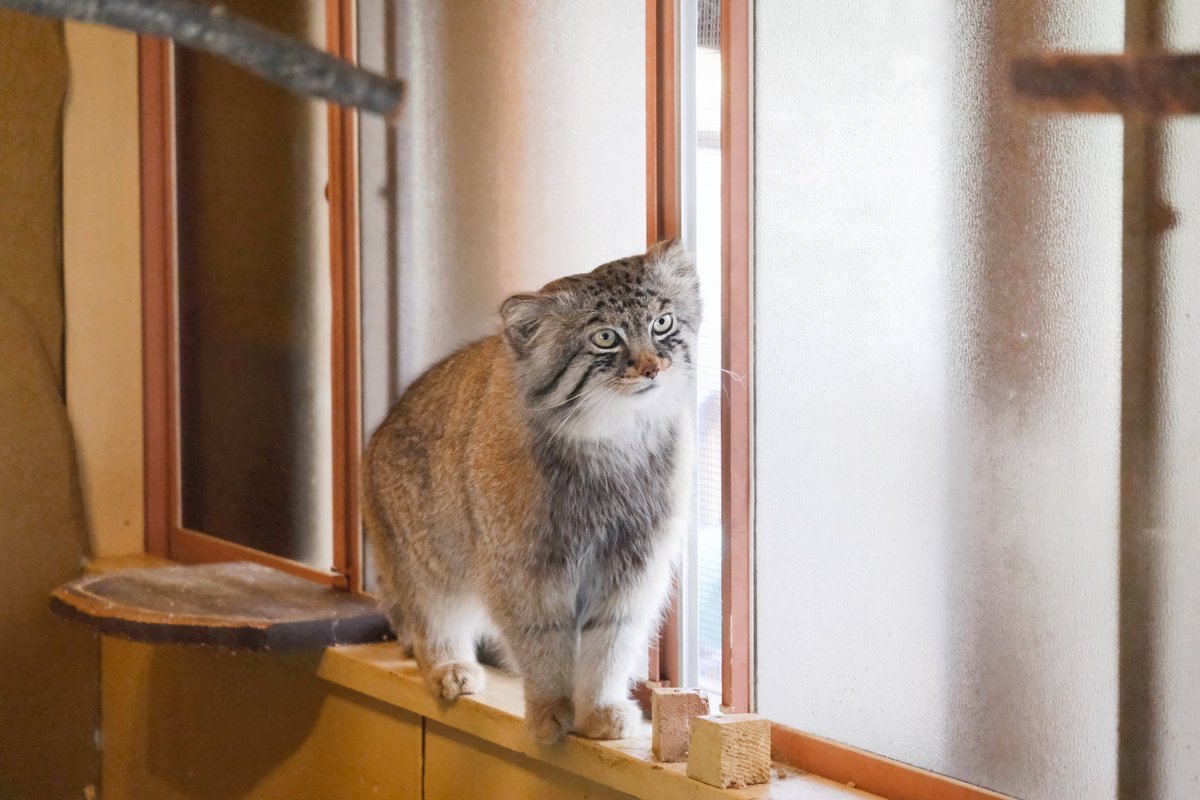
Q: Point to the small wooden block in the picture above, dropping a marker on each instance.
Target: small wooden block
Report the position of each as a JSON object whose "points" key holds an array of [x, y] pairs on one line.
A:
{"points": [[671, 714], [730, 751]]}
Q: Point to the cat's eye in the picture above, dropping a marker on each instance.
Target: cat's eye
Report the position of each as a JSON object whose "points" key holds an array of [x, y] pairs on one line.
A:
{"points": [[664, 323], [605, 339]]}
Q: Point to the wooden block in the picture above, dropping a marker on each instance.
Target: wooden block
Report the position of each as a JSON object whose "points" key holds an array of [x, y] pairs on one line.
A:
{"points": [[671, 714], [730, 751]]}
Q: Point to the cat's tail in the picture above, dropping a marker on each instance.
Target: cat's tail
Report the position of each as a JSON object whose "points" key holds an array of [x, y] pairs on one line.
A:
{"points": [[491, 650]]}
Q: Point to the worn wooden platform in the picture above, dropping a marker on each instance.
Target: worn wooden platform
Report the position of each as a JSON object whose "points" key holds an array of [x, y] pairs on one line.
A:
{"points": [[235, 605]]}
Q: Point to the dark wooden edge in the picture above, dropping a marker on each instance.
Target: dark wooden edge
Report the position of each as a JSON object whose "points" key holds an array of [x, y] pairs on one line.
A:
{"points": [[299, 635], [869, 772], [158, 311], [654, 657], [194, 547], [652, 121], [1152, 84], [662, 146], [736, 562], [343, 260], [164, 534]]}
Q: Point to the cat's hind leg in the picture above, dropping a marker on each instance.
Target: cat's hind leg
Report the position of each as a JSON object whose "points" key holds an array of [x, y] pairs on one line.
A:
{"points": [[443, 635]]}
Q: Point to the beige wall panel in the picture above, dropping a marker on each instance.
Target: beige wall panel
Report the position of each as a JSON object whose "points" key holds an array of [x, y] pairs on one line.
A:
{"points": [[199, 723], [461, 767], [102, 281]]}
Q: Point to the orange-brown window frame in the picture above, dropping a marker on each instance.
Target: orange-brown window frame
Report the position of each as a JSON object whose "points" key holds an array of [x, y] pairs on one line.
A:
{"points": [[165, 534], [662, 222], [737, 590]]}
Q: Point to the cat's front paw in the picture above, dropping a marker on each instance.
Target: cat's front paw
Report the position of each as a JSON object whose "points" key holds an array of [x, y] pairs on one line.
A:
{"points": [[448, 681], [616, 721], [549, 720]]}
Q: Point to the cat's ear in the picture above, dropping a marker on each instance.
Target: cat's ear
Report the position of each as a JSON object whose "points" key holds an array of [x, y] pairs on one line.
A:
{"points": [[672, 257], [522, 315]]}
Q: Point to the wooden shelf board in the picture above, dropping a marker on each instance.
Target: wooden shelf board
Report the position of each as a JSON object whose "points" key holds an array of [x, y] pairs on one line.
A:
{"points": [[235, 605]]}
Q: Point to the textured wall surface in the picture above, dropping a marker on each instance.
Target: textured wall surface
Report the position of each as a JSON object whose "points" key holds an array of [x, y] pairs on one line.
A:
{"points": [[520, 157], [48, 667]]}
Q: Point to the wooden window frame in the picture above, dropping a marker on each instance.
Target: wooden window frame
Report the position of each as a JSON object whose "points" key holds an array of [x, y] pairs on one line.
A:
{"points": [[662, 222], [737, 553], [165, 534], [166, 537], [833, 760]]}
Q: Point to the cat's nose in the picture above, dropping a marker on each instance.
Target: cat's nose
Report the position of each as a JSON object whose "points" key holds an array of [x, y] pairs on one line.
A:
{"points": [[648, 366]]}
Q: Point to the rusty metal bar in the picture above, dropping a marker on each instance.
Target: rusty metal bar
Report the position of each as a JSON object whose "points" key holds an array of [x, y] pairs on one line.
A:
{"points": [[1150, 84], [294, 65]]}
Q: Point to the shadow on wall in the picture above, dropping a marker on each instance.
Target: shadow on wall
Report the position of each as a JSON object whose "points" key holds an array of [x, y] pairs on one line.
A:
{"points": [[219, 722], [210, 724]]}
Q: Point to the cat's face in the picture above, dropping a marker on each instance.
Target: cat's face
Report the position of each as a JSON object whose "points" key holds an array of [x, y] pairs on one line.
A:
{"points": [[599, 352]]}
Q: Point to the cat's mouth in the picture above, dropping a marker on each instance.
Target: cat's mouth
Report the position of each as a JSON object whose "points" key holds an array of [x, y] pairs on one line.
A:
{"points": [[631, 387]]}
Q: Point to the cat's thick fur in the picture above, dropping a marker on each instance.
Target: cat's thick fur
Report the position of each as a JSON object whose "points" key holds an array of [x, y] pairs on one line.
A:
{"points": [[533, 489]]}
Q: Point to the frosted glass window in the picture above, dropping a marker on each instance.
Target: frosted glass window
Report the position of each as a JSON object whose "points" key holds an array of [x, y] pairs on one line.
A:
{"points": [[938, 391], [1160, 603], [254, 301]]}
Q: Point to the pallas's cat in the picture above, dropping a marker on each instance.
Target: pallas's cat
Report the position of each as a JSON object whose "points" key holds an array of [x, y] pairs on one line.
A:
{"points": [[531, 490]]}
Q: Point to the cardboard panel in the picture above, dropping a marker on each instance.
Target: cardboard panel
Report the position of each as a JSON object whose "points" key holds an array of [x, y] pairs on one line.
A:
{"points": [[184, 722]]}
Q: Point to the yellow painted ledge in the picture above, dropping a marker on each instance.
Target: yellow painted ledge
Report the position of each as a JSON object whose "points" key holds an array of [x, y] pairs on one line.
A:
{"points": [[380, 671]]}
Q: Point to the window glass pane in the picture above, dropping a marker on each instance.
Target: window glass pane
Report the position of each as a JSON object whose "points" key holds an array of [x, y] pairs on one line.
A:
{"points": [[254, 301], [704, 121], [938, 362]]}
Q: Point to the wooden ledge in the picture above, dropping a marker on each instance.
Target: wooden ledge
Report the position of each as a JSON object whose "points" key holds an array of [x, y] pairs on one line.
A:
{"points": [[236, 605], [496, 715], [380, 671]]}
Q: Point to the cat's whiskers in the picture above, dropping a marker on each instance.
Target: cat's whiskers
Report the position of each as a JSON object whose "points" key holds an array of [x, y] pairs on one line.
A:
{"points": [[585, 399], [741, 379], [579, 396]]}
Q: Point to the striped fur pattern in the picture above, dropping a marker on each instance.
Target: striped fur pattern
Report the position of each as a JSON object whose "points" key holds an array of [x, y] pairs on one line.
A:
{"points": [[532, 489]]}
